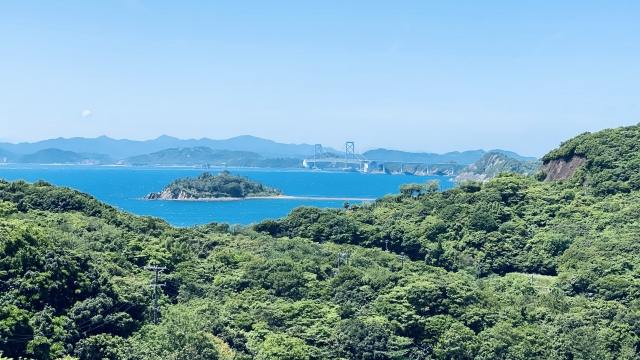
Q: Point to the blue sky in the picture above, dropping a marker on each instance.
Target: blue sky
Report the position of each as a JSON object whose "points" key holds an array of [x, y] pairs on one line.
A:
{"points": [[409, 75]]}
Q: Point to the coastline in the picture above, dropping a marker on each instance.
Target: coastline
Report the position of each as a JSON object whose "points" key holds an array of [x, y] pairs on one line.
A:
{"points": [[280, 197], [213, 168]]}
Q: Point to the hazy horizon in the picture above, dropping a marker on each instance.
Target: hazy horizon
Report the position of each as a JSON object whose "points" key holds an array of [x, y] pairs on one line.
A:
{"points": [[408, 75], [358, 150]]}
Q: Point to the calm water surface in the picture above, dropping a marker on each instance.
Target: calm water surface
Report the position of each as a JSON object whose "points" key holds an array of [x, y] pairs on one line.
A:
{"points": [[121, 186]]}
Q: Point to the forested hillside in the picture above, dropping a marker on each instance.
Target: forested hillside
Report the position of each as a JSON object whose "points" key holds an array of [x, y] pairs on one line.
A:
{"points": [[54, 156], [209, 186], [206, 156], [514, 268], [612, 159], [460, 157], [492, 164]]}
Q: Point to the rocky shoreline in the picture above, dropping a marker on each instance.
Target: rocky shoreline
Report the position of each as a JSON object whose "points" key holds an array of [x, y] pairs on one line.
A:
{"points": [[280, 197], [211, 187]]}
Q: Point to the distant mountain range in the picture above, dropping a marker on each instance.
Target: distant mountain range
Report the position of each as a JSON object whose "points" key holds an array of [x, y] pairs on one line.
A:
{"points": [[464, 157], [121, 149], [54, 156], [238, 151], [206, 156], [7, 156], [49, 156]]}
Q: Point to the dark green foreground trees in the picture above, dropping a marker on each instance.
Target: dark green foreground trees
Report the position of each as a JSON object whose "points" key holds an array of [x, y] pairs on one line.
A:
{"points": [[511, 269]]}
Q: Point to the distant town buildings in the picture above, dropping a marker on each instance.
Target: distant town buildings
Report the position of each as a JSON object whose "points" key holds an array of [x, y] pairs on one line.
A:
{"points": [[90, 162]]}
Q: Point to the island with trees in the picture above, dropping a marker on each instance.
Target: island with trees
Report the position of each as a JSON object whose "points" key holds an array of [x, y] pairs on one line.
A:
{"points": [[214, 187]]}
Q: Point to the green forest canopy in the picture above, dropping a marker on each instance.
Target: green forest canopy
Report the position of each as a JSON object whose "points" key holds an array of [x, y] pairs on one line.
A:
{"points": [[612, 159], [514, 268], [207, 185]]}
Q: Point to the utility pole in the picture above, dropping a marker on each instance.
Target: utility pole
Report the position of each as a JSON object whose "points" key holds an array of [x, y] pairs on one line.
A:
{"points": [[402, 258], [340, 256], [345, 257], [386, 244], [155, 285], [479, 268], [586, 185]]}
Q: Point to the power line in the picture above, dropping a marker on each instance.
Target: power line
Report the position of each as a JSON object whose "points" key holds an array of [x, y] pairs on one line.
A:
{"points": [[22, 338], [155, 285]]}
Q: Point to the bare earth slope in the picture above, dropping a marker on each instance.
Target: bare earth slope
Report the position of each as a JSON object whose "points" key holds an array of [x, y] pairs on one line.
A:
{"points": [[561, 169], [607, 161]]}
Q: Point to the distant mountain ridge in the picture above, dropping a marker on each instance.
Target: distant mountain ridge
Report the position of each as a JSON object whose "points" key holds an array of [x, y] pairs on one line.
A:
{"points": [[51, 156], [464, 157], [202, 155], [7, 156], [55, 156], [493, 163], [121, 149]]}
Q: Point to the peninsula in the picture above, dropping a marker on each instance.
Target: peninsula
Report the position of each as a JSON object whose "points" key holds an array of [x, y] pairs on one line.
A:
{"points": [[213, 187]]}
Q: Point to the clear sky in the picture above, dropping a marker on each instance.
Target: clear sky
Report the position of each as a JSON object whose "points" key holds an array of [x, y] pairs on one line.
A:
{"points": [[430, 76]]}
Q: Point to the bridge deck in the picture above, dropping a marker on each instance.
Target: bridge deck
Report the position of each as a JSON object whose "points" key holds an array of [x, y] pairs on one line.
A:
{"points": [[358, 161]]}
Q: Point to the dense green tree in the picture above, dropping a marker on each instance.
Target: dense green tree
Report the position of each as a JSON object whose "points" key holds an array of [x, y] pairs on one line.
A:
{"points": [[207, 185], [283, 347], [514, 268]]}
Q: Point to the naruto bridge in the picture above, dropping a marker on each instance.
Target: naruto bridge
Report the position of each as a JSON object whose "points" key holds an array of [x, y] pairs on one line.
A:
{"points": [[349, 159]]}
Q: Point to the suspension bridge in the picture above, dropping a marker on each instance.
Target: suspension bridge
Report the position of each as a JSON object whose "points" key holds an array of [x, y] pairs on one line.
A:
{"points": [[349, 160]]}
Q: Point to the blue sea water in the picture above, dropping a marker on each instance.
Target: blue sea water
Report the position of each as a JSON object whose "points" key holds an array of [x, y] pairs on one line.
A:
{"points": [[122, 186]]}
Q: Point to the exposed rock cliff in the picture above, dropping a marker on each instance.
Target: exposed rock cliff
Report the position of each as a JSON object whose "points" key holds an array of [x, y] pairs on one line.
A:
{"points": [[170, 194], [491, 164], [605, 162], [561, 169]]}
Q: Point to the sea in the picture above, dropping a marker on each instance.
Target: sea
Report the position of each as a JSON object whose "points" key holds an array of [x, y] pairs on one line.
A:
{"points": [[123, 187]]}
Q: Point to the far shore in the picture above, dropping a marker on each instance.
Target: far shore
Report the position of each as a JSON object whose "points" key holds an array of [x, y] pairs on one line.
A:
{"points": [[280, 197]]}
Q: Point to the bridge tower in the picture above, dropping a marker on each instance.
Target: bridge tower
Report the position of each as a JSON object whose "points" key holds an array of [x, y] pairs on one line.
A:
{"points": [[317, 151], [349, 150]]}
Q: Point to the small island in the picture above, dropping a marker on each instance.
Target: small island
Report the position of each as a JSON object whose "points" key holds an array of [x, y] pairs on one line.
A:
{"points": [[207, 186]]}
